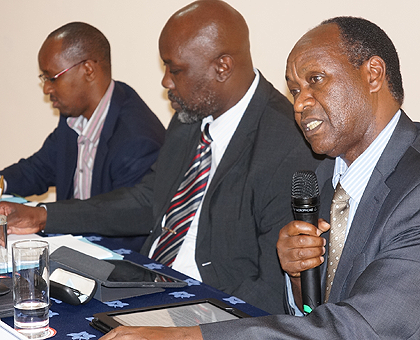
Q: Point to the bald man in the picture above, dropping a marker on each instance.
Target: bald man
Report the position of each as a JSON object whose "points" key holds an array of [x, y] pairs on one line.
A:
{"points": [[255, 149], [106, 138]]}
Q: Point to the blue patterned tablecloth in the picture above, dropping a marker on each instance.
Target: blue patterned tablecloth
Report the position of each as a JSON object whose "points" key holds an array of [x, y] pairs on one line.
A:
{"points": [[72, 322]]}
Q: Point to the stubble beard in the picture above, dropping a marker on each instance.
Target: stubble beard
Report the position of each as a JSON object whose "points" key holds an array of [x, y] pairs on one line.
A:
{"points": [[205, 105]]}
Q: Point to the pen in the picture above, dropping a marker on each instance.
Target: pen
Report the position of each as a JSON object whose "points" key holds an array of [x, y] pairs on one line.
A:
{"points": [[1, 185], [5, 236], [3, 224]]}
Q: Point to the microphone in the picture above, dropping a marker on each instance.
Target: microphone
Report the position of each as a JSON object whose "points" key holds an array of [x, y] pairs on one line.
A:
{"points": [[305, 204]]}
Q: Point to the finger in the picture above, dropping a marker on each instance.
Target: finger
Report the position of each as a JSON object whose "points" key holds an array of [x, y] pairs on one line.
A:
{"points": [[22, 231], [286, 244], [110, 335], [6, 208], [294, 268], [295, 228], [323, 225], [311, 263], [302, 254]]}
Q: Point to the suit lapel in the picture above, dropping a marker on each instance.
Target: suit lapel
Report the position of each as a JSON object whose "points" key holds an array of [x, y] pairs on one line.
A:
{"points": [[373, 199], [187, 138], [69, 158], [242, 140], [244, 136], [117, 99], [362, 226]]}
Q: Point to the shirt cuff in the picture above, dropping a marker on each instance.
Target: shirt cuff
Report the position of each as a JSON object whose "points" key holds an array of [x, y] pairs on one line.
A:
{"points": [[290, 297], [45, 207]]}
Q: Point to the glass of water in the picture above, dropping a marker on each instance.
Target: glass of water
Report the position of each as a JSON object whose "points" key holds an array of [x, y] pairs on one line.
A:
{"points": [[30, 260]]}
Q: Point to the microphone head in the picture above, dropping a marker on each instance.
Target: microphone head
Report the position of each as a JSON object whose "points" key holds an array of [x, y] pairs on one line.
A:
{"points": [[304, 185]]}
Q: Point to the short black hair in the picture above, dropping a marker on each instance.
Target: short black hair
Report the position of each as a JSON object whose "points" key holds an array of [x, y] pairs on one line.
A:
{"points": [[82, 41], [362, 40]]}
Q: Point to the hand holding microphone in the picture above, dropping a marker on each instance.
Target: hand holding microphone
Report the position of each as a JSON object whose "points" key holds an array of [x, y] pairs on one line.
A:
{"points": [[305, 203]]}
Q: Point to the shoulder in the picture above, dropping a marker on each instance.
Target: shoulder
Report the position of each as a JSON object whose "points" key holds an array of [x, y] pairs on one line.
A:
{"points": [[125, 97], [274, 100], [271, 113], [130, 114]]}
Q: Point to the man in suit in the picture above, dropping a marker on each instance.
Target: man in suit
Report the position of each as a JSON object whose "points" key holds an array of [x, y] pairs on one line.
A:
{"points": [[345, 79], [106, 138], [256, 147]]}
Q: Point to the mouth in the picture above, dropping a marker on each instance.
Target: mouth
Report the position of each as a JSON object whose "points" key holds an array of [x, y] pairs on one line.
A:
{"points": [[175, 106], [174, 103], [313, 125], [54, 101]]}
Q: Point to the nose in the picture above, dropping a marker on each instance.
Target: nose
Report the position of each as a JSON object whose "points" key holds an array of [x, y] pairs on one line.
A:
{"points": [[167, 81], [47, 87], [303, 100]]}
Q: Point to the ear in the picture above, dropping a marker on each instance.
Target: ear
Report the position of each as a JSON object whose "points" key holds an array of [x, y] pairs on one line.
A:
{"points": [[224, 67], [376, 68], [91, 70]]}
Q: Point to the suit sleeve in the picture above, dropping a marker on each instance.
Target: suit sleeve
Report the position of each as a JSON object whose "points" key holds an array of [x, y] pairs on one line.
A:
{"points": [[33, 175], [383, 302], [121, 212]]}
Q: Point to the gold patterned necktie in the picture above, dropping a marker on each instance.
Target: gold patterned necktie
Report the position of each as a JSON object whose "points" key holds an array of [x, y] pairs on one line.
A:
{"points": [[339, 215]]}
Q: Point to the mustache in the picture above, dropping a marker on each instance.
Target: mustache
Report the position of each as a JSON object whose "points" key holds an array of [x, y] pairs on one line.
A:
{"points": [[172, 97]]}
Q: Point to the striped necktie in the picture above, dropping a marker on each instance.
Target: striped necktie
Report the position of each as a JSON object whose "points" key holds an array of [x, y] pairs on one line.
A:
{"points": [[184, 204]]}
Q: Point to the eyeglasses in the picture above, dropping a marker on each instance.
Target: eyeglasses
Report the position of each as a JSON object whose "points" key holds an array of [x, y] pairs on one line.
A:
{"points": [[44, 78]]}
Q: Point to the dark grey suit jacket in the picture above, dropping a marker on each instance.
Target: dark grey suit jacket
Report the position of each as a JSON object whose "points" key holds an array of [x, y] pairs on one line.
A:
{"points": [[247, 202], [376, 291]]}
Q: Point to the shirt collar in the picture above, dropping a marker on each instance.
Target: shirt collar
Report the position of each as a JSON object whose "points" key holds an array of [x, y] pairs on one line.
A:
{"points": [[222, 129], [354, 179], [89, 128]]}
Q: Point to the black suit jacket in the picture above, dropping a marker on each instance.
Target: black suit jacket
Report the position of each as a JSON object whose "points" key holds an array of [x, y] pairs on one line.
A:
{"points": [[247, 202], [376, 287], [129, 144]]}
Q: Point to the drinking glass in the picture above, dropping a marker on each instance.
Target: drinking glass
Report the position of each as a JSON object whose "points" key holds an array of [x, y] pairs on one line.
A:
{"points": [[30, 259]]}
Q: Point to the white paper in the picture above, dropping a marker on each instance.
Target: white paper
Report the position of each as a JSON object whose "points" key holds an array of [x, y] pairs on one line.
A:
{"points": [[74, 243]]}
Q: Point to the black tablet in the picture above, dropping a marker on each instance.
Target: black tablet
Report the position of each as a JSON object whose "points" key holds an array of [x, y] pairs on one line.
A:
{"points": [[182, 314], [130, 274]]}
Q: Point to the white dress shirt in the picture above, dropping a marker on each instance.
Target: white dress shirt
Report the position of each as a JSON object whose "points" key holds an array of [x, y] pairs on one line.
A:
{"points": [[89, 132]]}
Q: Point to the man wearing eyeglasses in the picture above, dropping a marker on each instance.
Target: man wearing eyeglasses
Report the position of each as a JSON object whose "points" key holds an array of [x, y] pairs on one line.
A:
{"points": [[107, 137]]}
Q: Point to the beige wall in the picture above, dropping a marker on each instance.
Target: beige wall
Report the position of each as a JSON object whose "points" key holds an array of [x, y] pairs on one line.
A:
{"points": [[133, 27]]}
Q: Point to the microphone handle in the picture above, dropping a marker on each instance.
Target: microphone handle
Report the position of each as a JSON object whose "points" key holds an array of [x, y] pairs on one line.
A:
{"points": [[311, 292], [310, 279]]}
